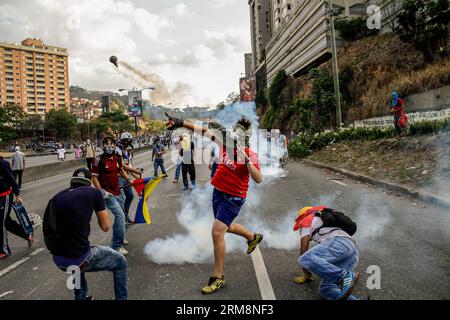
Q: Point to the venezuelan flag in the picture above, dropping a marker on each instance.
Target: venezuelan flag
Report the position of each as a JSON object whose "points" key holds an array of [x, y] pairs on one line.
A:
{"points": [[144, 188]]}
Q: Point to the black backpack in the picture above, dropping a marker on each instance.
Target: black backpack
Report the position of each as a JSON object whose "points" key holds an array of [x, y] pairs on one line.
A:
{"points": [[336, 219], [49, 227]]}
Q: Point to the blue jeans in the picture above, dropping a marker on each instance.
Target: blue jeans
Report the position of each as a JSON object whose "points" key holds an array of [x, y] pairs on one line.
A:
{"points": [[127, 196], [114, 204], [331, 260], [158, 163], [178, 171], [103, 259]]}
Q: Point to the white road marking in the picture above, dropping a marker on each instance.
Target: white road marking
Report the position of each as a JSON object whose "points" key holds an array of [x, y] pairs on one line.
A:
{"points": [[338, 182], [265, 287], [5, 294], [21, 261]]}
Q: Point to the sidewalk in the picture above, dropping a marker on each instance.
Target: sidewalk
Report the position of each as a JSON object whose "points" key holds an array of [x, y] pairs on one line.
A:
{"points": [[424, 196]]}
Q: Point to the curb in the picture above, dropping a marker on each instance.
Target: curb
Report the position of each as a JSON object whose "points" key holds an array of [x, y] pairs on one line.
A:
{"points": [[420, 195]]}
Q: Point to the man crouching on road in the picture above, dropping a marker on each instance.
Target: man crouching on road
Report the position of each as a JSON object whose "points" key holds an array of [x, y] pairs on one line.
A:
{"points": [[237, 163], [335, 256], [66, 229]]}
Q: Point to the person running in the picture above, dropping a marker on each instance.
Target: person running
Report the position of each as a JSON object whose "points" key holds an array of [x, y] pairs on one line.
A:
{"points": [[105, 176], [187, 153], [237, 162], [157, 157], [18, 166], [66, 229], [89, 152], [8, 188], [333, 259]]}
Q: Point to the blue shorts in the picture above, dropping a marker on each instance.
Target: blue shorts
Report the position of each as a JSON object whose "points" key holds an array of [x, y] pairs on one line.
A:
{"points": [[226, 207]]}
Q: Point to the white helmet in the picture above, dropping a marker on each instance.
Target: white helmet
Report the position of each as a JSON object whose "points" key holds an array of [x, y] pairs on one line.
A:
{"points": [[126, 136]]}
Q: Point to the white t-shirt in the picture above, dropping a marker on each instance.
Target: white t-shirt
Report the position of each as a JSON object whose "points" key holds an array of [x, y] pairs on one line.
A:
{"points": [[324, 233], [61, 153]]}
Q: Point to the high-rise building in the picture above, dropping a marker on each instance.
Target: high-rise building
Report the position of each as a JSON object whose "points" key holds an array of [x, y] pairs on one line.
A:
{"points": [[261, 29], [34, 75], [303, 38], [248, 65]]}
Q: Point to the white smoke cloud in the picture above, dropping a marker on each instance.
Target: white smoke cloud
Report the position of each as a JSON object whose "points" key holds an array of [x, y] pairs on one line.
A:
{"points": [[196, 216]]}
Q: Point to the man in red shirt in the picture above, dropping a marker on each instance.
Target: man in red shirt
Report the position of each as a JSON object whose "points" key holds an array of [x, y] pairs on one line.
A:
{"points": [[105, 177], [231, 181]]}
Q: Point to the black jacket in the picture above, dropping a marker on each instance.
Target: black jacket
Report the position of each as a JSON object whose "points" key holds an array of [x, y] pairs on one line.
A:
{"points": [[7, 180]]}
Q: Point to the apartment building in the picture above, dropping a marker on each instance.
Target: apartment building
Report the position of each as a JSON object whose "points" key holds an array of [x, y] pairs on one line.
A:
{"points": [[303, 38], [261, 29], [34, 75]]}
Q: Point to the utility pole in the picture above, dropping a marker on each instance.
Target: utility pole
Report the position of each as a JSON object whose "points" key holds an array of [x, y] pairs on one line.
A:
{"points": [[337, 92]]}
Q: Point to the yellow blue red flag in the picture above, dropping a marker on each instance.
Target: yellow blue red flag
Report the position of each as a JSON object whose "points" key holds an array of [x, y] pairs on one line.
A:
{"points": [[144, 188]]}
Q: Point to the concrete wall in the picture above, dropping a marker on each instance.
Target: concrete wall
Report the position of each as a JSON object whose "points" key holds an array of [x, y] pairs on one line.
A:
{"points": [[53, 169], [436, 99]]}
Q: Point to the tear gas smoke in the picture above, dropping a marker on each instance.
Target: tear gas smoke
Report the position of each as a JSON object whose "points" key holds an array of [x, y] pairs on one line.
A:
{"points": [[196, 216], [163, 94]]}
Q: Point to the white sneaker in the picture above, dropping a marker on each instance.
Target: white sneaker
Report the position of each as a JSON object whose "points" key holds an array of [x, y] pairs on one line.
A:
{"points": [[122, 251], [125, 242]]}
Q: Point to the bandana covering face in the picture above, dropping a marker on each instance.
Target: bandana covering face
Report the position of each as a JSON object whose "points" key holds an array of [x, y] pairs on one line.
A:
{"points": [[109, 150], [394, 98]]}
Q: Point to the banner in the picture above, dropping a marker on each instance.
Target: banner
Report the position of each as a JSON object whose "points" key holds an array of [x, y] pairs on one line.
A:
{"points": [[247, 89], [388, 121]]}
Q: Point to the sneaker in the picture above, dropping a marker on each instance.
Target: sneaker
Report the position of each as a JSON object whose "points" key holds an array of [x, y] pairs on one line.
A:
{"points": [[122, 251], [89, 298], [128, 220], [348, 283], [186, 188], [3, 255], [125, 242], [252, 244], [30, 240], [175, 181], [214, 284]]}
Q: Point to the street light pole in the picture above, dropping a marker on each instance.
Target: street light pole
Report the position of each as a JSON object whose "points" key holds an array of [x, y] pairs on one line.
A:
{"points": [[337, 92]]}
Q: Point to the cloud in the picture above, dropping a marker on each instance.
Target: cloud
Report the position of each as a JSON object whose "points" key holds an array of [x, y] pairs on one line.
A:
{"points": [[224, 3]]}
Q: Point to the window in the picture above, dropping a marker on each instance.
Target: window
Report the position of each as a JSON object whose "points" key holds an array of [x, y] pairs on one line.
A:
{"points": [[289, 7]]}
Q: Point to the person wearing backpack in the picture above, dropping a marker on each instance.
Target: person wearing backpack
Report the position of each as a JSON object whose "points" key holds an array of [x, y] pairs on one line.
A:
{"points": [[105, 176], [66, 228], [336, 255]]}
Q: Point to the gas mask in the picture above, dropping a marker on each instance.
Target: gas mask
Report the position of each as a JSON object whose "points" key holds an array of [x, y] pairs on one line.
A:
{"points": [[240, 135], [109, 150]]}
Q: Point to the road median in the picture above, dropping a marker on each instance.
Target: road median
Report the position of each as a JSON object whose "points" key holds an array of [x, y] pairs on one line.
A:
{"points": [[416, 194], [53, 169]]}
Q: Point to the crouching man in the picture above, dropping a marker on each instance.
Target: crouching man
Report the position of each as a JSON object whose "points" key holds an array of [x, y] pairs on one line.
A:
{"points": [[66, 228], [336, 255]]}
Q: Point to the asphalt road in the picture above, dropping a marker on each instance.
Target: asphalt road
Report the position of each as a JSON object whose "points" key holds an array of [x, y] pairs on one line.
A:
{"points": [[407, 241]]}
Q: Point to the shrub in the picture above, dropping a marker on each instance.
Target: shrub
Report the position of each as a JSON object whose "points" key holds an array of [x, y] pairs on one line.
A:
{"points": [[276, 88], [351, 29]]}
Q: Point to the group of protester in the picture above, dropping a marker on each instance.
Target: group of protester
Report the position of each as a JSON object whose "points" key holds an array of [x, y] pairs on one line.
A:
{"points": [[232, 164]]}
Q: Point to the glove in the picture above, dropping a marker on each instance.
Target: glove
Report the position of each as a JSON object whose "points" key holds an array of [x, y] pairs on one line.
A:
{"points": [[174, 123], [305, 278]]}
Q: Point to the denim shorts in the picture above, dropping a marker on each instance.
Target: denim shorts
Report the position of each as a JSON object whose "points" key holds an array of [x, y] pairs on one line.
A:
{"points": [[226, 207]]}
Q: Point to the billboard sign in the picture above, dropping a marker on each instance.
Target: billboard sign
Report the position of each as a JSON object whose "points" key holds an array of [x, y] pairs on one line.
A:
{"points": [[248, 89], [134, 109]]}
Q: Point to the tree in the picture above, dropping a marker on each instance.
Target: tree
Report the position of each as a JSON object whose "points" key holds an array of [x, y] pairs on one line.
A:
{"points": [[33, 123], [276, 87], [112, 122], [221, 105], [232, 98], [61, 123], [425, 23], [12, 115]]}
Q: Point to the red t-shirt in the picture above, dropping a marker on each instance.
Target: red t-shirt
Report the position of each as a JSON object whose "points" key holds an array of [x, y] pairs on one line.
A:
{"points": [[232, 177], [108, 176]]}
